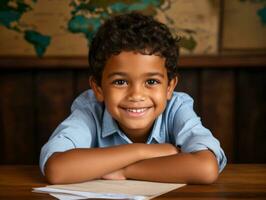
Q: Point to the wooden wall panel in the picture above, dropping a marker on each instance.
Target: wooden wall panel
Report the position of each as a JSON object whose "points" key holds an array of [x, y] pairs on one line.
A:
{"points": [[251, 115], [81, 81], [231, 102], [217, 106], [188, 82], [54, 95], [16, 114]]}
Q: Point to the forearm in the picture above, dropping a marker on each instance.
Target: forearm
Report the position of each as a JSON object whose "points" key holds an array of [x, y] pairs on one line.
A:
{"points": [[197, 168], [85, 164], [78, 165]]}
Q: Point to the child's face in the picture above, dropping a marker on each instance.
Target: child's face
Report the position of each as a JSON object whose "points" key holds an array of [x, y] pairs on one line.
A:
{"points": [[135, 90]]}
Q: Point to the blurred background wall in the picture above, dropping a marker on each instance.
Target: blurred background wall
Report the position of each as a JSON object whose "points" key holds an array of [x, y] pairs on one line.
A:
{"points": [[43, 67]]}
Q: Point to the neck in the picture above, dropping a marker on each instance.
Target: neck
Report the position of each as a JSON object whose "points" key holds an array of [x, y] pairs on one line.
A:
{"points": [[138, 139], [137, 135]]}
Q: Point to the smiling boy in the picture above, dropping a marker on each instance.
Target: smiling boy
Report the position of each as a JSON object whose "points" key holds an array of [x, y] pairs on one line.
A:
{"points": [[132, 125]]}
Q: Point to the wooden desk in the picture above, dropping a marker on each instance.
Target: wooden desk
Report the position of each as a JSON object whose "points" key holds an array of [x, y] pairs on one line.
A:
{"points": [[236, 182]]}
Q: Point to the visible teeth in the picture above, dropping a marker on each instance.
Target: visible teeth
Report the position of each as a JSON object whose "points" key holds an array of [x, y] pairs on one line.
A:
{"points": [[136, 110]]}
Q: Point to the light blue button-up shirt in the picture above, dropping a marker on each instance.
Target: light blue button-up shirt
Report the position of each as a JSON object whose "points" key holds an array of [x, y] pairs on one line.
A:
{"points": [[91, 125]]}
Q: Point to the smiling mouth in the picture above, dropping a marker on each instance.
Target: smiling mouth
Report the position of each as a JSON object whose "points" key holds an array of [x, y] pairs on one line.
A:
{"points": [[136, 112]]}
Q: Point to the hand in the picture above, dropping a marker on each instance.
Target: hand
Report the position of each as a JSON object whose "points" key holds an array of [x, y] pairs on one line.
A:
{"points": [[115, 175]]}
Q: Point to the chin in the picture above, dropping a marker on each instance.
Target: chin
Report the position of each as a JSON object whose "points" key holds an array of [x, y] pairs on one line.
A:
{"points": [[137, 127]]}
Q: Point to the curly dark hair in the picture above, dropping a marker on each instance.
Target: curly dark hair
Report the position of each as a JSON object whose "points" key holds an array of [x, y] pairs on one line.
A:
{"points": [[132, 32]]}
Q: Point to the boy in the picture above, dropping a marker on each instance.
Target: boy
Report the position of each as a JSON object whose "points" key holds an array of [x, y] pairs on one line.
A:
{"points": [[132, 125]]}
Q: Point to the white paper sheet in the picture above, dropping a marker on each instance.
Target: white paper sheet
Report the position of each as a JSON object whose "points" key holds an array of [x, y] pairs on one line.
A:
{"points": [[109, 189], [66, 196]]}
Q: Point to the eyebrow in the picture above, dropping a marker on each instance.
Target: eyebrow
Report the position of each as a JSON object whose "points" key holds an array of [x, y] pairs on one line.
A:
{"points": [[146, 74]]}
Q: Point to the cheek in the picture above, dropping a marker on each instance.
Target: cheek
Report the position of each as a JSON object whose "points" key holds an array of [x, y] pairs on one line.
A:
{"points": [[160, 98], [112, 98], [161, 93]]}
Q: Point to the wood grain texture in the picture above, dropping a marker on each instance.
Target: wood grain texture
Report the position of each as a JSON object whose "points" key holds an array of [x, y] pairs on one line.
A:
{"points": [[212, 61], [54, 96], [251, 112], [236, 182], [81, 81], [188, 82], [217, 107], [231, 102], [16, 182], [17, 118]]}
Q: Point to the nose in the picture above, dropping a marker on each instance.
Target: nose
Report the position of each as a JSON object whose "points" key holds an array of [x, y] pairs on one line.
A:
{"points": [[136, 93]]}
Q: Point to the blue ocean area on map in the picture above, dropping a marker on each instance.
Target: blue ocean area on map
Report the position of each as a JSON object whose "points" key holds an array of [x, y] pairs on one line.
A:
{"points": [[10, 14], [12, 11]]}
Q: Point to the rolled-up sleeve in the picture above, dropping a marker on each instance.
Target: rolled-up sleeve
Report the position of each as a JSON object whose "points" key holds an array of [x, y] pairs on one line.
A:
{"points": [[77, 131], [190, 134]]}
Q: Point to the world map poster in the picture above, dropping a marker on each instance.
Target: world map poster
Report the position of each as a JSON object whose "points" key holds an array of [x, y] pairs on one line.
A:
{"points": [[244, 25], [44, 28]]}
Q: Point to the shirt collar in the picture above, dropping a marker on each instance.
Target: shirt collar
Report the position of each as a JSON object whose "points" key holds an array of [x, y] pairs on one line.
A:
{"points": [[109, 127], [158, 132]]}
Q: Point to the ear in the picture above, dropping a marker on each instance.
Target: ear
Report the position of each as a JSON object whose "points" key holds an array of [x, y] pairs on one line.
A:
{"points": [[171, 87], [96, 89]]}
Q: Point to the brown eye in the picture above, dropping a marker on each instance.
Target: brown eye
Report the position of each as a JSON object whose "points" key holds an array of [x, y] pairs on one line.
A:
{"points": [[152, 82], [119, 82]]}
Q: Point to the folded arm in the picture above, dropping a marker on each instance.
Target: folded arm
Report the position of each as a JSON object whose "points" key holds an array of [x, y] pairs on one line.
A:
{"points": [[195, 168], [151, 162], [79, 165]]}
